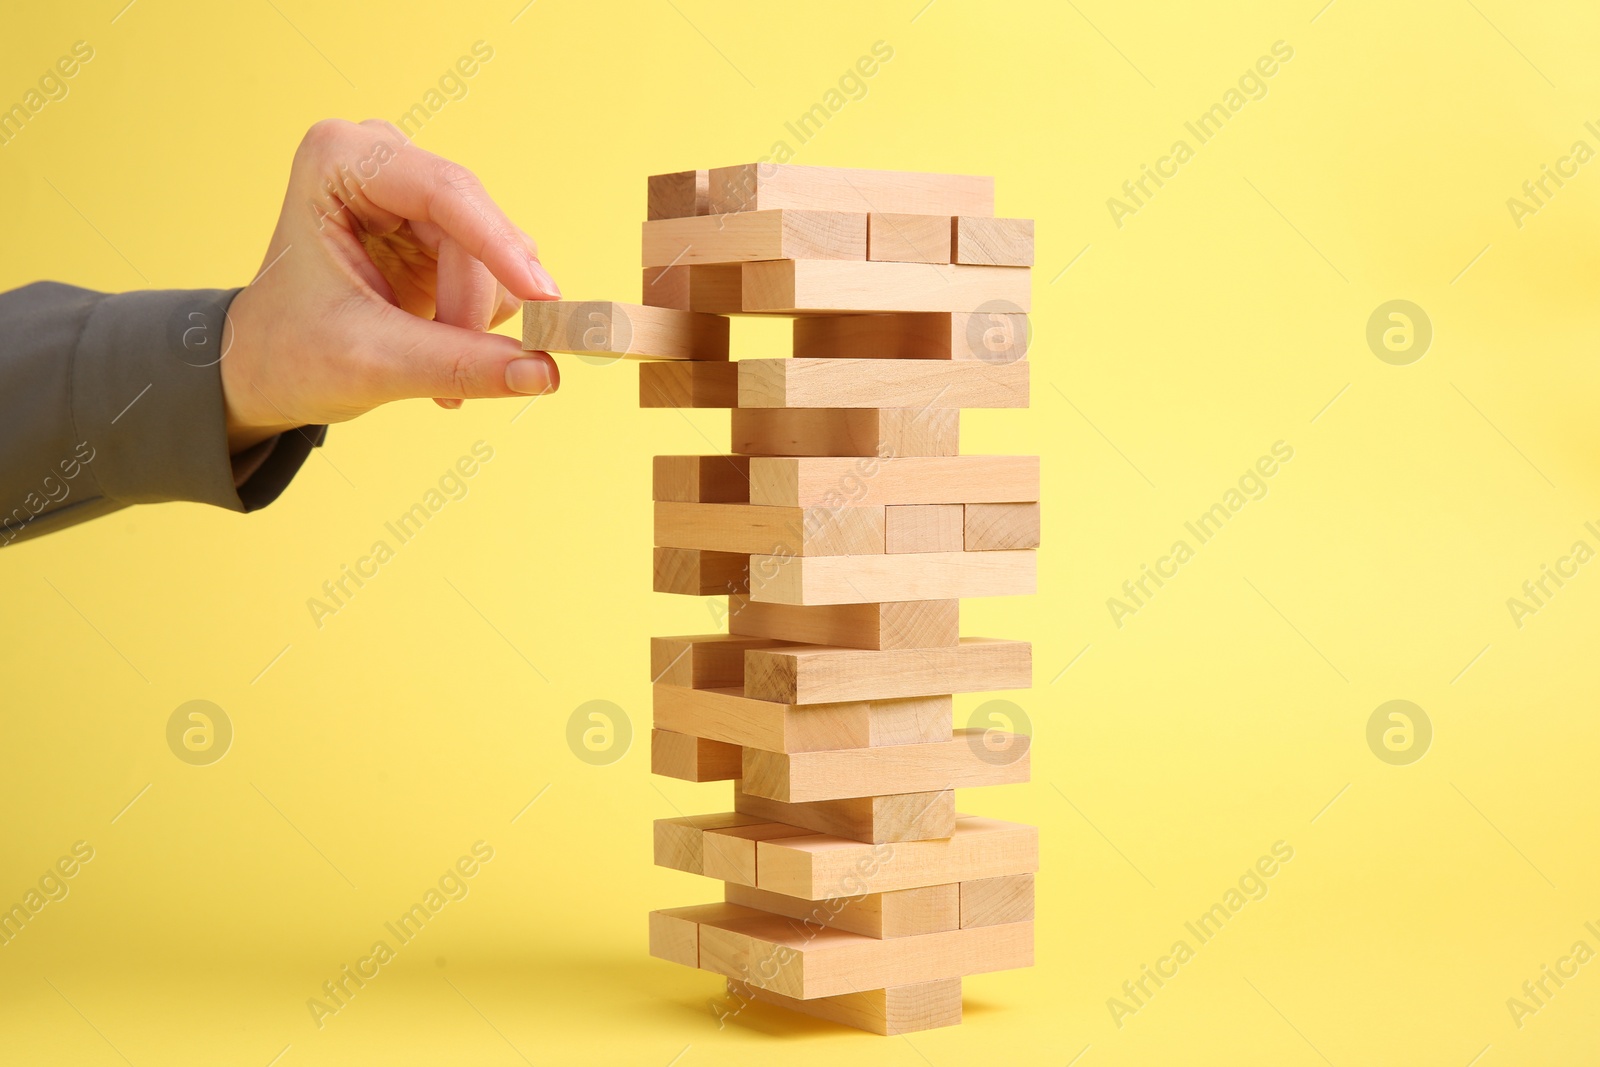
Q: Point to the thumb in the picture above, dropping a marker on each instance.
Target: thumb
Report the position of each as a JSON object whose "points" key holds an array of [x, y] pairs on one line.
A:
{"points": [[422, 358]]}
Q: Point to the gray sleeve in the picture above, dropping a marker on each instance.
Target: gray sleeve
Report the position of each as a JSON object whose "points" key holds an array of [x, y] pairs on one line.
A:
{"points": [[111, 400]]}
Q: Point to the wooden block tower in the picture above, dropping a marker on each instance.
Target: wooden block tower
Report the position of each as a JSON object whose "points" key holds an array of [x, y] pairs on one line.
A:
{"points": [[843, 528]]}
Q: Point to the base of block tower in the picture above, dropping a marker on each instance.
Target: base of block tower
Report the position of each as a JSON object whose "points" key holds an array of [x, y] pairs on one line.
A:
{"points": [[901, 1010]]}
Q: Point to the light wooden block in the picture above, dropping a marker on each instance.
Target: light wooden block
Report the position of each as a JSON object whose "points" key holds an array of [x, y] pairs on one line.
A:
{"points": [[680, 842], [905, 1009], [801, 286], [805, 674], [701, 479], [766, 186], [820, 963], [1000, 527], [823, 866], [875, 819], [921, 528], [795, 481], [896, 238], [924, 431], [688, 385], [756, 235], [876, 383], [997, 242], [676, 938], [803, 777], [726, 714], [702, 661], [781, 531], [991, 901], [692, 759], [637, 331], [730, 852], [676, 195], [897, 624], [903, 913], [693, 572], [992, 336], [815, 580], [707, 288]]}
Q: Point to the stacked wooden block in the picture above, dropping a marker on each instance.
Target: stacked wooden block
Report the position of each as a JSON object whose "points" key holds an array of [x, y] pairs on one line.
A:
{"points": [[843, 528]]}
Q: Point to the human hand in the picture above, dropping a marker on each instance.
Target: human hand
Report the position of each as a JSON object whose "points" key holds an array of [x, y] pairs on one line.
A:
{"points": [[387, 267]]}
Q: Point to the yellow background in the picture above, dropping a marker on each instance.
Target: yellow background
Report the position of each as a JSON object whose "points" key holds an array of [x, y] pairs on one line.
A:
{"points": [[1223, 717]]}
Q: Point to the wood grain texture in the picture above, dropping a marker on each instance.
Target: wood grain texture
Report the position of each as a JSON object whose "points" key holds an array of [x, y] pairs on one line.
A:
{"points": [[897, 624], [711, 289], [702, 661], [688, 385], [921, 528], [795, 481], [805, 674], [831, 962], [680, 842], [726, 714], [635, 331], [730, 852], [874, 819], [816, 580], [753, 528], [701, 479], [766, 186], [803, 286], [989, 901], [679, 194], [876, 383], [692, 759], [847, 431], [902, 913], [756, 235], [997, 242], [899, 238], [823, 866], [692, 572], [1000, 527], [675, 932], [905, 1009], [971, 758], [993, 335]]}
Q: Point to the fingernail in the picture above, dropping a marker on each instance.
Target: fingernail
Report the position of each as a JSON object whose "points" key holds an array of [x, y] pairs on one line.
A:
{"points": [[531, 377], [543, 279]]}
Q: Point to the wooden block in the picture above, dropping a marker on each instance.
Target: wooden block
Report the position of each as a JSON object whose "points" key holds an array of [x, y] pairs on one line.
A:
{"points": [[819, 963], [806, 674], [904, 1009], [711, 289], [755, 235], [802, 777], [766, 186], [921, 528], [991, 901], [730, 852], [799, 286], [821, 867], [607, 328], [811, 580], [1000, 527], [675, 938], [876, 383], [702, 661], [794, 481], [688, 385], [998, 242], [895, 238], [924, 431], [902, 913], [677, 195], [877, 819], [693, 759], [709, 479], [753, 528], [680, 842], [697, 573], [897, 624], [993, 335], [726, 714], [912, 720]]}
